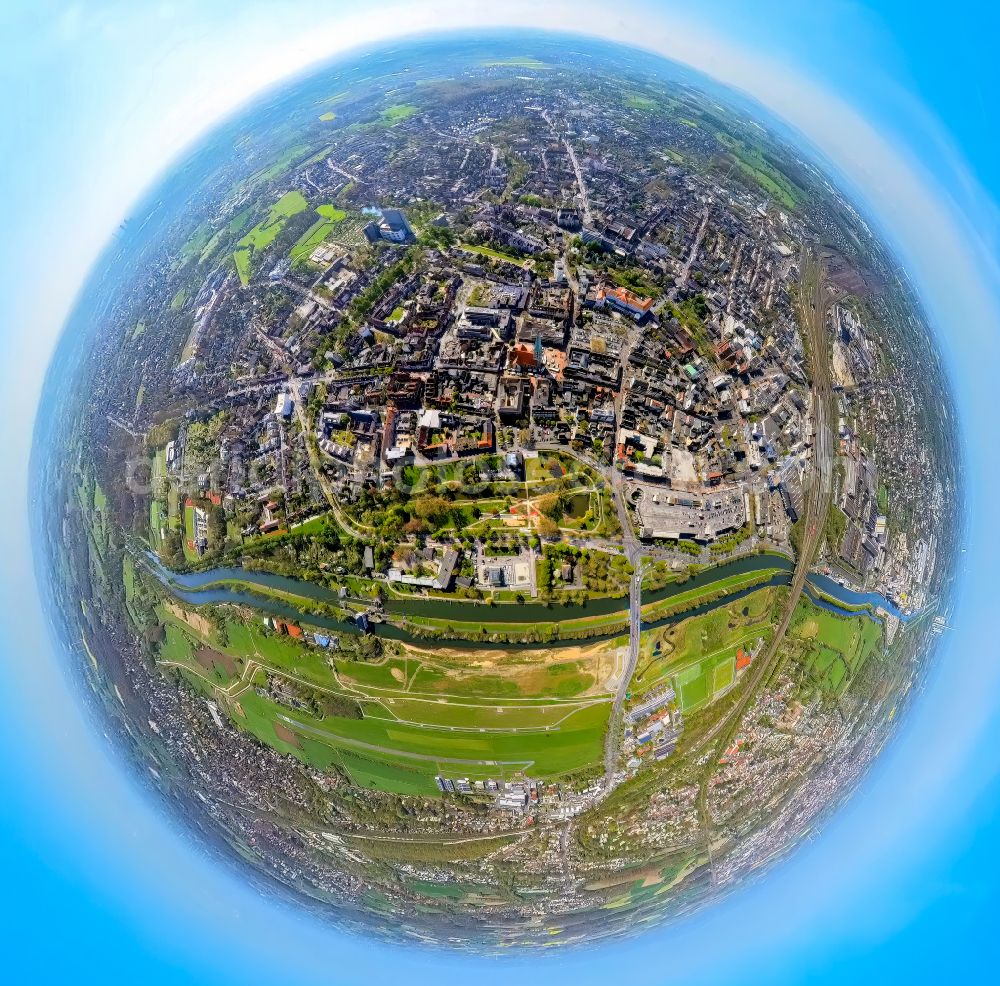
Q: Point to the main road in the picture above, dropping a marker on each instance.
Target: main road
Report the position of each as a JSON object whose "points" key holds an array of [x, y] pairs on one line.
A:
{"points": [[633, 551]]}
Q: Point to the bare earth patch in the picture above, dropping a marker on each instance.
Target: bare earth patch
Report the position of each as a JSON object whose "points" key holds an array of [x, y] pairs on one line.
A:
{"points": [[209, 658], [193, 620], [285, 734]]}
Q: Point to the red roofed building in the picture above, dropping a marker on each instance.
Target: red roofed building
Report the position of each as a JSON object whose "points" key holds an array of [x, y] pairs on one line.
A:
{"points": [[624, 300], [523, 356]]}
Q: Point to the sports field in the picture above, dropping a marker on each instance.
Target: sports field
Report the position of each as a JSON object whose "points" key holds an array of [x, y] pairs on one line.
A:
{"points": [[697, 657], [700, 683]]}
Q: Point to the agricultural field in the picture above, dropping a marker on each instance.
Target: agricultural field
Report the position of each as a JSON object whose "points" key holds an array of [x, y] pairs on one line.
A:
{"points": [[635, 886], [756, 165]]}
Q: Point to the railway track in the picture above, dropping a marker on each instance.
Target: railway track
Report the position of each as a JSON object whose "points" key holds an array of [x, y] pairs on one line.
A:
{"points": [[814, 301]]}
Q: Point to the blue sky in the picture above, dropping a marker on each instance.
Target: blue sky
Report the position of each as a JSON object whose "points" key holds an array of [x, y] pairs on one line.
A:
{"points": [[898, 95]]}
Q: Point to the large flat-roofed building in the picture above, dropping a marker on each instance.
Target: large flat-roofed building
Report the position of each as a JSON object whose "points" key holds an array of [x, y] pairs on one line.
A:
{"points": [[680, 516], [394, 227], [283, 406]]}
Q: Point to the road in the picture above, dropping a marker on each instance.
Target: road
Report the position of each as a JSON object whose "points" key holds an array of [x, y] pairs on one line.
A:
{"points": [[301, 414], [814, 300], [685, 273], [588, 216], [633, 551]]}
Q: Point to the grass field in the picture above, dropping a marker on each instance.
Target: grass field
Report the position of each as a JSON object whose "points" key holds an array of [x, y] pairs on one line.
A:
{"points": [[233, 228], [195, 243], [732, 583], [397, 113], [396, 778], [329, 216], [157, 520], [264, 233], [547, 753], [427, 711], [292, 156], [609, 622], [636, 102], [832, 648], [493, 254], [178, 645]]}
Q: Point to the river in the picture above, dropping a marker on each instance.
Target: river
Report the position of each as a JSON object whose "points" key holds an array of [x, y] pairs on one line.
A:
{"points": [[209, 587]]}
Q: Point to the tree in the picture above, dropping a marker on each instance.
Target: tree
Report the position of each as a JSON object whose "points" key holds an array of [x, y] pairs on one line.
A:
{"points": [[172, 550], [549, 505], [430, 507], [547, 527], [216, 524]]}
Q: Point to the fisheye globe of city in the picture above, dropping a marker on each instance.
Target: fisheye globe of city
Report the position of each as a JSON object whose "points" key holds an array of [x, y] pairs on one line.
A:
{"points": [[499, 490]]}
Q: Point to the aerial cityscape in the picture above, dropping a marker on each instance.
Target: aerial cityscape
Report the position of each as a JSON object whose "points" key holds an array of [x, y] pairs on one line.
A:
{"points": [[505, 492]]}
